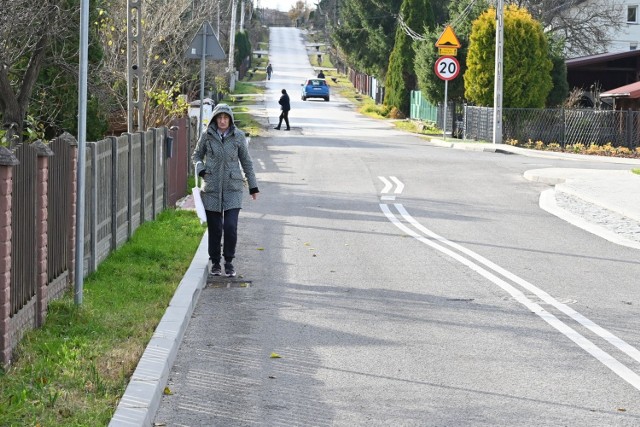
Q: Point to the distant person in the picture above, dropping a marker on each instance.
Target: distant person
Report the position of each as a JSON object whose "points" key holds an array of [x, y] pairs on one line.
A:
{"points": [[220, 152], [269, 71], [285, 106], [321, 75]]}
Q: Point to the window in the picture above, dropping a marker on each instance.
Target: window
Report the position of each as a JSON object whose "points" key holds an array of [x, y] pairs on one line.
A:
{"points": [[632, 14]]}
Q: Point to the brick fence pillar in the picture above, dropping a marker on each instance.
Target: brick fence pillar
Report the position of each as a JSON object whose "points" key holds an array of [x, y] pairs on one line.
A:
{"points": [[7, 162], [73, 185], [42, 237]]}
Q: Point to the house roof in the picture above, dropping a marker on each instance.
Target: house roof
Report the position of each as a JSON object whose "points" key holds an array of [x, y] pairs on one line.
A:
{"points": [[631, 91], [600, 58]]}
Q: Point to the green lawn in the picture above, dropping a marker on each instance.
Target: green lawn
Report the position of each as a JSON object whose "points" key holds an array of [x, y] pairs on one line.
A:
{"points": [[73, 370]]}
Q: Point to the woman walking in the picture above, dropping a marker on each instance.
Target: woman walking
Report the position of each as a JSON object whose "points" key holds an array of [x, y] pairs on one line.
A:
{"points": [[220, 152]]}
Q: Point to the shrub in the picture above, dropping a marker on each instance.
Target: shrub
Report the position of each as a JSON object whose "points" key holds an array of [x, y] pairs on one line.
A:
{"points": [[623, 152], [527, 63], [395, 113], [379, 109], [513, 142], [576, 148], [608, 149]]}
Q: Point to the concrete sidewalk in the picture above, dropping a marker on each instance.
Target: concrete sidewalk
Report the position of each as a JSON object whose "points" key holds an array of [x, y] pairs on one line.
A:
{"points": [[600, 191]]}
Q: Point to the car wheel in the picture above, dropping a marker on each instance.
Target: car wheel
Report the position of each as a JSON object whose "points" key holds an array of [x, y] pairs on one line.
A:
{"points": [[304, 98], [327, 99]]}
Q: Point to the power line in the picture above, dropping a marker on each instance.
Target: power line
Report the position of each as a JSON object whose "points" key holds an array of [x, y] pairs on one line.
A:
{"points": [[463, 14]]}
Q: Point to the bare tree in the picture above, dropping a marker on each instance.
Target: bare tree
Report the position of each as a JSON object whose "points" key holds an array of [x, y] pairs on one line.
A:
{"points": [[27, 28], [168, 28], [585, 27], [37, 34]]}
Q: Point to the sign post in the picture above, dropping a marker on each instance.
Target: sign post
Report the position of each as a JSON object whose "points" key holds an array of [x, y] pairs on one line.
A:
{"points": [[447, 67], [204, 45]]}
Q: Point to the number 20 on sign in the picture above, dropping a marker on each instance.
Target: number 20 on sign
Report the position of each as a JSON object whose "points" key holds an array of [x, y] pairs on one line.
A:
{"points": [[447, 68]]}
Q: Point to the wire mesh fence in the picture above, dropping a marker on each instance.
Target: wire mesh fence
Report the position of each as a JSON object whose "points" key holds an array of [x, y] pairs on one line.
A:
{"points": [[560, 125]]}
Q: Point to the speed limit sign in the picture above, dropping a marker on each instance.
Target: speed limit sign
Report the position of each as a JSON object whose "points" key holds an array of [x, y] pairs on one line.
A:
{"points": [[447, 67]]}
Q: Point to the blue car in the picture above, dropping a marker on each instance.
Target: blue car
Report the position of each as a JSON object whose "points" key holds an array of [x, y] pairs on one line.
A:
{"points": [[315, 88]]}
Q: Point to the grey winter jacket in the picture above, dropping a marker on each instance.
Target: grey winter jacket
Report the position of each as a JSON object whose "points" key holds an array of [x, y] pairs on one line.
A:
{"points": [[220, 159]]}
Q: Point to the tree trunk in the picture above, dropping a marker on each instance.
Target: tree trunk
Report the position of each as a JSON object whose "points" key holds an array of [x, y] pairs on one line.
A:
{"points": [[14, 106]]}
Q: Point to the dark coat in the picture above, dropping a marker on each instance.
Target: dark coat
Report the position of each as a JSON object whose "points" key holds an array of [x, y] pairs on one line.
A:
{"points": [[285, 105], [220, 159]]}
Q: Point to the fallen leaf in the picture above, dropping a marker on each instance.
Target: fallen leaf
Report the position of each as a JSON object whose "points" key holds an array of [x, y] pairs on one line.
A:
{"points": [[275, 356], [167, 391], [261, 249]]}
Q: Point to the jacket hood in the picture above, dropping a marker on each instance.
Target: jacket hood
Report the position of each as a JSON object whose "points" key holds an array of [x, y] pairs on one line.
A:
{"points": [[219, 109]]}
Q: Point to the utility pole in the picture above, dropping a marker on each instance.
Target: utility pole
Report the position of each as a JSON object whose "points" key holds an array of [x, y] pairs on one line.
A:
{"points": [[135, 92], [232, 44], [242, 16], [82, 137], [497, 88]]}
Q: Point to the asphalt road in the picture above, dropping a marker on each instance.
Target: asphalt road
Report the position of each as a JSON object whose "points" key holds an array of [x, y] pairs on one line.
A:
{"points": [[408, 285]]}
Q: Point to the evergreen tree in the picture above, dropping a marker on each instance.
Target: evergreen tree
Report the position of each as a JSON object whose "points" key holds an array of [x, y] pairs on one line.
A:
{"points": [[527, 65], [362, 33], [430, 85], [243, 48], [401, 77], [560, 89]]}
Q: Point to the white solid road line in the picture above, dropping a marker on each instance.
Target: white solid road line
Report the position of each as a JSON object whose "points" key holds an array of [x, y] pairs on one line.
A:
{"points": [[605, 358], [603, 333]]}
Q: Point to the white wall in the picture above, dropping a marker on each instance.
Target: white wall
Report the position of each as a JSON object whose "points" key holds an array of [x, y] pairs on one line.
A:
{"points": [[628, 36]]}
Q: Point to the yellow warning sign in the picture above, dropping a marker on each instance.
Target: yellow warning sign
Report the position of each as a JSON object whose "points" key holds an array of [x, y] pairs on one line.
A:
{"points": [[448, 39]]}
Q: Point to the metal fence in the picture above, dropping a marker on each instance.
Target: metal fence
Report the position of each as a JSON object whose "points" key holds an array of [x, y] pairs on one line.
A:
{"points": [[124, 188], [421, 109], [60, 201], [562, 126], [366, 85], [24, 229], [128, 181]]}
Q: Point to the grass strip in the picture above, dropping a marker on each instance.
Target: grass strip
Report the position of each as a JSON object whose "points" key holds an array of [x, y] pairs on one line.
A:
{"points": [[74, 370]]}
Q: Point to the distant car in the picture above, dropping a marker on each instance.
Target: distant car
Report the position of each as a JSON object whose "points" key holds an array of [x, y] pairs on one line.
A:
{"points": [[315, 88]]}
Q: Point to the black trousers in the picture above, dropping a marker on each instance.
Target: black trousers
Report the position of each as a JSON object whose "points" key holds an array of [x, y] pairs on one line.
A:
{"points": [[219, 223], [284, 115]]}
